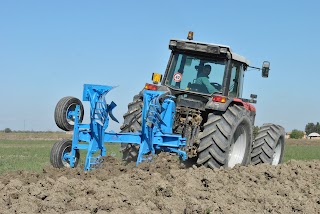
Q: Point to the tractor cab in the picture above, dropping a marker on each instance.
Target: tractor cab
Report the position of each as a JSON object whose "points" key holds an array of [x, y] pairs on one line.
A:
{"points": [[204, 69]]}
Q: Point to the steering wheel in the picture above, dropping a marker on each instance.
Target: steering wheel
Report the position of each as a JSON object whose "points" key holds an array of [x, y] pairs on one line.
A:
{"points": [[216, 85]]}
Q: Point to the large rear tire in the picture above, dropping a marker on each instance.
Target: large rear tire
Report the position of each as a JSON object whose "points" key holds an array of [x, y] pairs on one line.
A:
{"points": [[226, 139], [268, 146], [132, 123], [62, 116], [59, 150]]}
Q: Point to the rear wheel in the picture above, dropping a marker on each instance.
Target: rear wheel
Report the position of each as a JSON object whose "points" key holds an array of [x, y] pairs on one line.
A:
{"points": [[63, 112], [268, 146], [132, 123], [226, 139], [59, 152]]}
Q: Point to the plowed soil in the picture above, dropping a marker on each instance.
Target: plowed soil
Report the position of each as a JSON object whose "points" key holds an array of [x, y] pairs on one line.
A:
{"points": [[164, 186]]}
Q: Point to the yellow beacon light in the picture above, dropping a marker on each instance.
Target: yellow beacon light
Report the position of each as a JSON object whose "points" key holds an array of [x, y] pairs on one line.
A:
{"points": [[156, 78], [190, 35]]}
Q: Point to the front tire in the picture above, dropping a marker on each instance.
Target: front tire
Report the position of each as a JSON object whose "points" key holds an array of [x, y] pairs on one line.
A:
{"points": [[268, 146], [226, 139]]}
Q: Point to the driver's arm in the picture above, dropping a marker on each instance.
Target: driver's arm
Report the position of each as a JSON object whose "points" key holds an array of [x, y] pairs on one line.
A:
{"points": [[208, 85]]}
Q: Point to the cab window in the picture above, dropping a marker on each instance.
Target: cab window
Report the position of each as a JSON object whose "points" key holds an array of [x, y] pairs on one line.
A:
{"points": [[185, 71], [235, 79]]}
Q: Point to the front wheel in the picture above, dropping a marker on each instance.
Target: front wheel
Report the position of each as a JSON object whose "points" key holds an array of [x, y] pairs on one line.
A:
{"points": [[59, 153], [226, 139], [268, 146]]}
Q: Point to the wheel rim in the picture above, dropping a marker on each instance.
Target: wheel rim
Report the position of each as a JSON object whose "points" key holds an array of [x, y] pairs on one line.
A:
{"points": [[65, 153], [238, 146], [69, 116], [277, 153]]}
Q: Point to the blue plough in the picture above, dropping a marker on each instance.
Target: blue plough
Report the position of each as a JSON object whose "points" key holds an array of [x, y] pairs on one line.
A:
{"points": [[156, 135]]}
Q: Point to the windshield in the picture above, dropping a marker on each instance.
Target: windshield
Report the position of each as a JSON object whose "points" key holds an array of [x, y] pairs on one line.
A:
{"points": [[196, 74]]}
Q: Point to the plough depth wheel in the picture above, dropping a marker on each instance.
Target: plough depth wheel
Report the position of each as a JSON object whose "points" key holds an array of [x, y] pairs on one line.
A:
{"points": [[64, 113], [60, 153]]}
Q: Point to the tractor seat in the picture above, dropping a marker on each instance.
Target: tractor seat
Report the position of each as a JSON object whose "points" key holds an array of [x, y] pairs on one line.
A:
{"points": [[198, 88]]}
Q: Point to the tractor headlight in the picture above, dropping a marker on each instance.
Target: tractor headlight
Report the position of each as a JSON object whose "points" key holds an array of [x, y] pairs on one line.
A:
{"points": [[172, 44], [213, 49], [223, 50]]}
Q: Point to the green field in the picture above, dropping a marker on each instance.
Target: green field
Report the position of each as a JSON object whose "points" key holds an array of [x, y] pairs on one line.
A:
{"points": [[302, 149], [34, 153]]}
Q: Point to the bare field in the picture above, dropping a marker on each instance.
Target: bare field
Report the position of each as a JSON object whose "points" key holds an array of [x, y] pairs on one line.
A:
{"points": [[304, 142], [34, 136], [163, 186]]}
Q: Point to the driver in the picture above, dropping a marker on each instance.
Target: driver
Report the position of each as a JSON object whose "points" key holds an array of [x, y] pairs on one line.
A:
{"points": [[203, 78]]}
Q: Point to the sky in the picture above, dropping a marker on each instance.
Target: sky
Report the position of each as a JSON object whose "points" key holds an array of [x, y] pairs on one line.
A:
{"points": [[49, 49]]}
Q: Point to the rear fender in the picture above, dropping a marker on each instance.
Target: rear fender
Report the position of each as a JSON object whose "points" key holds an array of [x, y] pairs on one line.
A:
{"points": [[248, 106], [222, 107]]}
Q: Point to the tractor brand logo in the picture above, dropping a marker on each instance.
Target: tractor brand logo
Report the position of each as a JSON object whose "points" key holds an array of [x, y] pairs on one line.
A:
{"points": [[177, 77]]}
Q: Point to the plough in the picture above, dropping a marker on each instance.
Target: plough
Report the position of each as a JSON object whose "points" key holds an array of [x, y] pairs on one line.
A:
{"points": [[156, 135]]}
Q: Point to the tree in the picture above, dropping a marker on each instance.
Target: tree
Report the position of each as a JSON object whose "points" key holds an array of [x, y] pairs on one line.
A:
{"points": [[310, 127], [296, 134], [317, 129], [255, 131], [7, 130]]}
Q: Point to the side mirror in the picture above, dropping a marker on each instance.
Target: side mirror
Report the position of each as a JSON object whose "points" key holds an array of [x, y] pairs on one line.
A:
{"points": [[253, 98], [265, 69]]}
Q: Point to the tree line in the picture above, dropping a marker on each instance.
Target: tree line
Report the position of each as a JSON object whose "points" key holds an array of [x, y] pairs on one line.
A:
{"points": [[297, 134], [310, 128]]}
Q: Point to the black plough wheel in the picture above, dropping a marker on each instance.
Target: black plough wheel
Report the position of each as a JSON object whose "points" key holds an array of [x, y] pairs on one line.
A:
{"points": [[268, 146], [62, 115], [58, 154], [226, 139]]}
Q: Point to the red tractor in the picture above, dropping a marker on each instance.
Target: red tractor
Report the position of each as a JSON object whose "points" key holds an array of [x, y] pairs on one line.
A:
{"points": [[206, 81]]}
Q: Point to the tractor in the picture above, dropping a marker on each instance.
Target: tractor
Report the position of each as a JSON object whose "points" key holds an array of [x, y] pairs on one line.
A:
{"points": [[216, 121], [195, 110]]}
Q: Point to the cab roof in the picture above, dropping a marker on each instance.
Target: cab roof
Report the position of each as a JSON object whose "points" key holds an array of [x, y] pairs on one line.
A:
{"points": [[235, 56]]}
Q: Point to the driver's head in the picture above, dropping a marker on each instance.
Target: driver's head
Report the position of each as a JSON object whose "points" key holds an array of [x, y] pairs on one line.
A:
{"points": [[207, 69]]}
